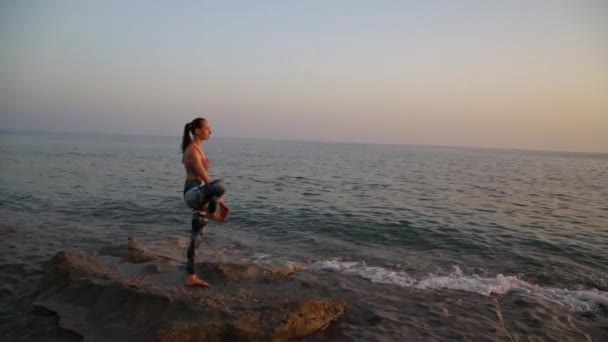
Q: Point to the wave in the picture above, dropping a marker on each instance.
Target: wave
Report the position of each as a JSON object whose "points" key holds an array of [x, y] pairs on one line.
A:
{"points": [[574, 300]]}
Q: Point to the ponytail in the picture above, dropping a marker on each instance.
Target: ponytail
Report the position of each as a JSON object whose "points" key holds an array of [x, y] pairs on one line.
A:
{"points": [[186, 139]]}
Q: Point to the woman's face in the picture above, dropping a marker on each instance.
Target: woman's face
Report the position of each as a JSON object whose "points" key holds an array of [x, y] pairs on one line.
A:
{"points": [[204, 132]]}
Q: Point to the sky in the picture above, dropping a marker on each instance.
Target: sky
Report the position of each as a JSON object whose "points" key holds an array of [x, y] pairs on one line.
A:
{"points": [[507, 74]]}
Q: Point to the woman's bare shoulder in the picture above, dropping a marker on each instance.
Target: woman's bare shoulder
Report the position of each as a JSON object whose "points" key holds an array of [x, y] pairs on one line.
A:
{"points": [[188, 153]]}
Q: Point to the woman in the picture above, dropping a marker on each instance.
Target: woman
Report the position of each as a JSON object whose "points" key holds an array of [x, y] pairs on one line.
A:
{"points": [[201, 193]]}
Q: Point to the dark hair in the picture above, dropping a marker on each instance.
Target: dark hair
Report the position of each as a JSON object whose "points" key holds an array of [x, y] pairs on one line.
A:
{"points": [[189, 129]]}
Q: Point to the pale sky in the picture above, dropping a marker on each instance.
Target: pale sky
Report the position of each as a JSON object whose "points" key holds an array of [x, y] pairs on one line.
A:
{"points": [[510, 74]]}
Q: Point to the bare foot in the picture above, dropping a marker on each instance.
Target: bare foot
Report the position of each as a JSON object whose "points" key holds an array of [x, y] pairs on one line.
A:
{"points": [[194, 280], [224, 211], [221, 215]]}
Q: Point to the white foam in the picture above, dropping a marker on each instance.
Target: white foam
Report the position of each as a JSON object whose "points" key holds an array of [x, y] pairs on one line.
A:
{"points": [[573, 300], [335, 265], [260, 256]]}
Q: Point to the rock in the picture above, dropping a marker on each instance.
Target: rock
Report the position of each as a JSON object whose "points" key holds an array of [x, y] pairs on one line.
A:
{"points": [[100, 301], [291, 321], [289, 270], [229, 272], [133, 253]]}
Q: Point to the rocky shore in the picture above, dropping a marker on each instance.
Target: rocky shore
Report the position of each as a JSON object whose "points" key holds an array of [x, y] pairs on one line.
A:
{"points": [[129, 294]]}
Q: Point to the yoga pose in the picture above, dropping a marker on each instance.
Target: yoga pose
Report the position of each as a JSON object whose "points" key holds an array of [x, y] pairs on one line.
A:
{"points": [[201, 193]]}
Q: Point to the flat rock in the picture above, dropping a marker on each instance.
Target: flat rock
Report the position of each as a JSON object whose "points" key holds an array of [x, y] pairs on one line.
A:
{"points": [[101, 301]]}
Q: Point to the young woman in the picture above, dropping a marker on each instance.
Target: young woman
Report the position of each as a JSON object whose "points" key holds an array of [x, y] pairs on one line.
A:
{"points": [[201, 193]]}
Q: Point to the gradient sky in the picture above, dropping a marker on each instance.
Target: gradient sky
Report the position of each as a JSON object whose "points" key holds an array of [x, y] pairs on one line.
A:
{"points": [[512, 74]]}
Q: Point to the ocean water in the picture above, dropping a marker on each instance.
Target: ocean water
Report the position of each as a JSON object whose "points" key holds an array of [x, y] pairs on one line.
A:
{"points": [[420, 239]]}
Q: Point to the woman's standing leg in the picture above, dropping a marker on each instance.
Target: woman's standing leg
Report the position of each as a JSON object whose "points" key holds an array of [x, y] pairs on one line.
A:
{"points": [[199, 221], [200, 200]]}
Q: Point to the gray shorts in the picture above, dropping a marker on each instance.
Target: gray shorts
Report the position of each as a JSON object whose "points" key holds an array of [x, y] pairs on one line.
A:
{"points": [[204, 196]]}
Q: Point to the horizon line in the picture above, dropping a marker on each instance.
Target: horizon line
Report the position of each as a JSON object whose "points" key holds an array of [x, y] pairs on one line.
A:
{"points": [[315, 141]]}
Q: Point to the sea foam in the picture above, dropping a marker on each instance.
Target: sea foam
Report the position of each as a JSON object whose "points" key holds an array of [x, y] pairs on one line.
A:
{"points": [[584, 300]]}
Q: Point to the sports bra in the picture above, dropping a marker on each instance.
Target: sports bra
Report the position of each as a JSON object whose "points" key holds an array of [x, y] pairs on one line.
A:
{"points": [[206, 161], [190, 183]]}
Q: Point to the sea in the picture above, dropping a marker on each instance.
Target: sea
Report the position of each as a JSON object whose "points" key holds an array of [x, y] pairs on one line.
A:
{"points": [[422, 242]]}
